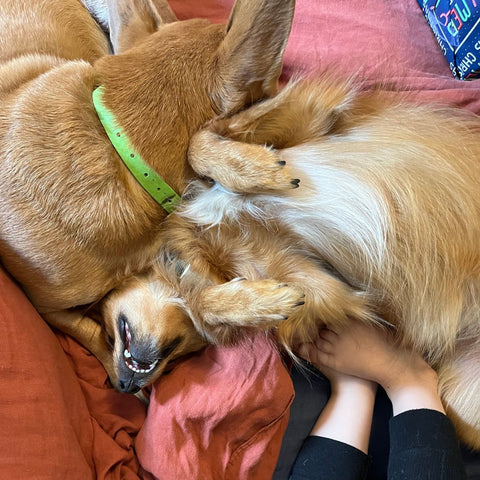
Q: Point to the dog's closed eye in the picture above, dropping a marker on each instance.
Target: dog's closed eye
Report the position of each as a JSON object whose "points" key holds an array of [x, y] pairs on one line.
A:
{"points": [[165, 352]]}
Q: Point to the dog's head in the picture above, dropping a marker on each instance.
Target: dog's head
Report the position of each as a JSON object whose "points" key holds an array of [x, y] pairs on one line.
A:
{"points": [[147, 329], [163, 86]]}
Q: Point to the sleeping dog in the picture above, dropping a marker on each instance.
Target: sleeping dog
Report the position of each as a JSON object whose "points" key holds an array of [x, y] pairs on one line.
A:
{"points": [[385, 224], [93, 145]]}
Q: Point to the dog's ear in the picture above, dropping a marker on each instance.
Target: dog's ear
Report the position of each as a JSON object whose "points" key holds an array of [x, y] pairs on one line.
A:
{"points": [[164, 10], [249, 60], [132, 20]]}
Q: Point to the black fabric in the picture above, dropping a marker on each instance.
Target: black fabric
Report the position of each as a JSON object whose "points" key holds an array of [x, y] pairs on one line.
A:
{"points": [[424, 446], [326, 459], [311, 392]]}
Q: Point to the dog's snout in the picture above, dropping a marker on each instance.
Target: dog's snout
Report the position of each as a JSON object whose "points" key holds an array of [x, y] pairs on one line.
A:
{"points": [[139, 356], [128, 386], [143, 355], [136, 359]]}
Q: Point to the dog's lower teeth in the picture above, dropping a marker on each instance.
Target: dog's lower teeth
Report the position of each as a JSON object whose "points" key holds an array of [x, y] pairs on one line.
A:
{"points": [[131, 363]]}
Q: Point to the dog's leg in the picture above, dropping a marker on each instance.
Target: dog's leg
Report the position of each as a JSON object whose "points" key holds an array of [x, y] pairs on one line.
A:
{"points": [[218, 306], [239, 152], [459, 387], [87, 332], [240, 167], [303, 111], [329, 301], [219, 310]]}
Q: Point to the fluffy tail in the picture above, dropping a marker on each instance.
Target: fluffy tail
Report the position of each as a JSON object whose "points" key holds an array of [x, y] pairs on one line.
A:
{"points": [[459, 386]]}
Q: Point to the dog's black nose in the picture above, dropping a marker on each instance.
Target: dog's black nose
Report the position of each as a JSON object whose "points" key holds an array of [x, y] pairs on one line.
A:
{"points": [[128, 386]]}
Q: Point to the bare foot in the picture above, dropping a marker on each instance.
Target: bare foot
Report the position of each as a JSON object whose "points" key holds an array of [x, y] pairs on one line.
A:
{"points": [[370, 353]]}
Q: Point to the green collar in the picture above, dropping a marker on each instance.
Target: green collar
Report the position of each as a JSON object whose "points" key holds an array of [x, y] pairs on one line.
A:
{"points": [[146, 176]]}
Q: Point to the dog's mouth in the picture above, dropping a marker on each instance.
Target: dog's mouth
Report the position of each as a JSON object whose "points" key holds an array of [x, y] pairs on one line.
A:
{"points": [[137, 366]]}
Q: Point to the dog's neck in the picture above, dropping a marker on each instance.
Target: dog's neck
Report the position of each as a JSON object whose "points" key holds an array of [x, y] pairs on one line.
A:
{"points": [[155, 185]]}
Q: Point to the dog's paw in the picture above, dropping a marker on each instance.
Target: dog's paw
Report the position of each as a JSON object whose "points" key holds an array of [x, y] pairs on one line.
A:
{"points": [[245, 303], [239, 166], [275, 301], [272, 174]]}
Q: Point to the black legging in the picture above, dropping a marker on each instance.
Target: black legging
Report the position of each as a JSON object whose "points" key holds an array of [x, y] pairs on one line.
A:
{"points": [[423, 446]]}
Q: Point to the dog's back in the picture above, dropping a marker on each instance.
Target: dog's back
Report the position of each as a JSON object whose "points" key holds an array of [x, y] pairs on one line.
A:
{"points": [[46, 52], [392, 204], [389, 197]]}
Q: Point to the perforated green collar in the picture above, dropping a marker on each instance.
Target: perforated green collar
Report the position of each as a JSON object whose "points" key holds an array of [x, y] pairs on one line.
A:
{"points": [[158, 189]]}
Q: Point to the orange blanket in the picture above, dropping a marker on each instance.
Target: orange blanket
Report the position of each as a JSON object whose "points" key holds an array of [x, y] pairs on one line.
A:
{"points": [[219, 414]]}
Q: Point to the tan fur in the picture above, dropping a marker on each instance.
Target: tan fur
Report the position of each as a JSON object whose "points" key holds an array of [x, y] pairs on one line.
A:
{"points": [[75, 223], [386, 221], [235, 280]]}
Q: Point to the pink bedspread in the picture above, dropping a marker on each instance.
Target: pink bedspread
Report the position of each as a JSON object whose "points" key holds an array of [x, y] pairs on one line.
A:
{"points": [[221, 414], [379, 42]]}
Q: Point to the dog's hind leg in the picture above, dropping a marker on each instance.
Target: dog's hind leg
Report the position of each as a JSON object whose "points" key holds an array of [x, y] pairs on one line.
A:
{"points": [[239, 152], [329, 301], [240, 167], [304, 110], [87, 332], [459, 387]]}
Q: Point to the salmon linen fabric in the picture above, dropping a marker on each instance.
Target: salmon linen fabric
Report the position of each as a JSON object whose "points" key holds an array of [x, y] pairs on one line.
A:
{"points": [[58, 418], [221, 414]]}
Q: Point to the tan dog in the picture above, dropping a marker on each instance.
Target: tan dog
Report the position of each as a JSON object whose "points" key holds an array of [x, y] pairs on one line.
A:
{"points": [[388, 205], [74, 221], [235, 279]]}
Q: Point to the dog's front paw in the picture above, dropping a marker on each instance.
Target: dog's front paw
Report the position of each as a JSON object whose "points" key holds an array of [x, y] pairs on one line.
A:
{"points": [[275, 301], [244, 303]]}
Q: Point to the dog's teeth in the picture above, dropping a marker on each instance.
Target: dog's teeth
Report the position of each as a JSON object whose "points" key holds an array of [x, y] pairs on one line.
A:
{"points": [[134, 366]]}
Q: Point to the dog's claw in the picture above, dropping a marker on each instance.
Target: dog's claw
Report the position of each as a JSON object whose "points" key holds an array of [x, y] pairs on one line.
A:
{"points": [[282, 163], [295, 182]]}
